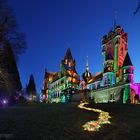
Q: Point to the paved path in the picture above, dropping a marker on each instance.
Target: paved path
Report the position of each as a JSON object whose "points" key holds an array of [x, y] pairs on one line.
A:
{"points": [[95, 125]]}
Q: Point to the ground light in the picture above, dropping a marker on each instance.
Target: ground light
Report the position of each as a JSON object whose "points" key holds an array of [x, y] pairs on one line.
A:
{"points": [[95, 125], [4, 102]]}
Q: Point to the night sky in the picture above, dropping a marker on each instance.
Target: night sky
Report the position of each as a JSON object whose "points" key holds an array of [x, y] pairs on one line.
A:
{"points": [[51, 26]]}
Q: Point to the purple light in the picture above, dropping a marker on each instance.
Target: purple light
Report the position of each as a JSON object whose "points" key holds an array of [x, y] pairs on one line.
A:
{"points": [[4, 102]]}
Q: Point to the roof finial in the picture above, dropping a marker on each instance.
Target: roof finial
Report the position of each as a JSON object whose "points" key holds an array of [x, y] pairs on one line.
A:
{"points": [[115, 18], [87, 68]]}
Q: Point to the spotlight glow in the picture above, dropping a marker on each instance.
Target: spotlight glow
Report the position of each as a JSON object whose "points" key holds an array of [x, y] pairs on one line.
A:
{"points": [[4, 102], [95, 125]]}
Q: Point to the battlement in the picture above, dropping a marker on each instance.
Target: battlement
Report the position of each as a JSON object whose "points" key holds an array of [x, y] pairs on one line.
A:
{"points": [[118, 31]]}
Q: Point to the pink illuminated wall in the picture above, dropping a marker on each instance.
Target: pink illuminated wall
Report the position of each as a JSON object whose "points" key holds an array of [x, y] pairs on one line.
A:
{"points": [[136, 88]]}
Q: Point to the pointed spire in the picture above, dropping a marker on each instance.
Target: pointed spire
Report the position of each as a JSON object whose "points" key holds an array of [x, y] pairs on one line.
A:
{"points": [[86, 75], [127, 61], [87, 67], [68, 55], [45, 74]]}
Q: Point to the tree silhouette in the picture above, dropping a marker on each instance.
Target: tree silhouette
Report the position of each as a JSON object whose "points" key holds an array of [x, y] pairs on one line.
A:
{"points": [[31, 87], [10, 79], [8, 30], [12, 44], [137, 9]]}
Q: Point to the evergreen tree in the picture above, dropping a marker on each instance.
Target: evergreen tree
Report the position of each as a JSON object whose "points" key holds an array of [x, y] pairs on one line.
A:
{"points": [[31, 87], [12, 68], [12, 43], [9, 72]]}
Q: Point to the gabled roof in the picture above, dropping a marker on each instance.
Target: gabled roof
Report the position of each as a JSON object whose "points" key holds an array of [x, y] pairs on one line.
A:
{"points": [[47, 74], [127, 61], [68, 55]]}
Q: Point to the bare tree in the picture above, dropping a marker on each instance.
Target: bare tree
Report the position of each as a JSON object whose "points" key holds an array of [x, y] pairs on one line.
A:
{"points": [[137, 9], [8, 30]]}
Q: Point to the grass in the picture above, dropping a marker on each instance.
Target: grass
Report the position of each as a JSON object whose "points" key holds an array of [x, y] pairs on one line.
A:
{"points": [[64, 121]]}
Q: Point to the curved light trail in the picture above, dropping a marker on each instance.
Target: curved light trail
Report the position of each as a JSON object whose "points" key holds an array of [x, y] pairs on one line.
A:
{"points": [[95, 125]]}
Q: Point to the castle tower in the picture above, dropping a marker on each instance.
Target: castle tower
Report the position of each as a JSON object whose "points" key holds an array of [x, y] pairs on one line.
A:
{"points": [[87, 67], [44, 90], [68, 63], [48, 77], [68, 69], [114, 49], [86, 76]]}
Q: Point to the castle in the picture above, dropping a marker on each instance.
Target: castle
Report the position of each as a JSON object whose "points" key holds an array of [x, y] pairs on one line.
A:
{"points": [[59, 86], [114, 83]]}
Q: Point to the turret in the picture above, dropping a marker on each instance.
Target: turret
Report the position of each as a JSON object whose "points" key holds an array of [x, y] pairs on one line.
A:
{"points": [[128, 70], [44, 90], [68, 63], [86, 76], [114, 49]]}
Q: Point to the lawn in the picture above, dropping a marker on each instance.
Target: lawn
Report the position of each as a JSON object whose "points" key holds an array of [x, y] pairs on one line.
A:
{"points": [[64, 121]]}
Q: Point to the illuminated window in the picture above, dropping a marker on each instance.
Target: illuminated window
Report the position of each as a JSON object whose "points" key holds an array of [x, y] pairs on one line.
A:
{"points": [[50, 79], [69, 64], [124, 71], [69, 78], [66, 61]]}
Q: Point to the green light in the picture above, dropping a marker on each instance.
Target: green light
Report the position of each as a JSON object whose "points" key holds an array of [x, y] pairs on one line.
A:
{"points": [[125, 94]]}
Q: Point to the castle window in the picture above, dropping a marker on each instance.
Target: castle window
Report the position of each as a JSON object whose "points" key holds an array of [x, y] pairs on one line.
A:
{"points": [[69, 64], [124, 71], [66, 61]]}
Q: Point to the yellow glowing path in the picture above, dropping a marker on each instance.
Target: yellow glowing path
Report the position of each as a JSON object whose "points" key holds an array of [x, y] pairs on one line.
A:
{"points": [[95, 125]]}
